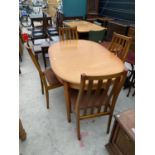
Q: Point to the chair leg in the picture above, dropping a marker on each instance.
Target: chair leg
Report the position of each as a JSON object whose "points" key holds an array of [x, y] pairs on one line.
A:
{"points": [[47, 98], [22, 133], [19, 70], [20, 57], [42, 86], [44, 59], [109, 123], [36, 55], [133, 93], [131, 83], [78, 127]]}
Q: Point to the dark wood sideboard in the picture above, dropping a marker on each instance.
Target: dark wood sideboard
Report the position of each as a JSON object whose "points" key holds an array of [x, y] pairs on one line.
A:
{"points": [[122, 139]]}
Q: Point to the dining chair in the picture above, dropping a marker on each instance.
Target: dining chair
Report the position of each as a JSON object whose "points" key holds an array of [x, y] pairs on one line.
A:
{"points": [[41, 31], [97, 36], [68, 33], [120, 45], [96, 97], [50, 29], [47, 78]]}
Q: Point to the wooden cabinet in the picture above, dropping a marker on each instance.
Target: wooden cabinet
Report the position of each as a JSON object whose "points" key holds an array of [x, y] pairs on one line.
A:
{"points": [[92, 8], [114, 26], [122, 139]]}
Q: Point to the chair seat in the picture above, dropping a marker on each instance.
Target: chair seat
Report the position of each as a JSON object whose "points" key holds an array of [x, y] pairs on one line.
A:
{"points": [[88, 101], [131, 57], [51, 78], [106, 44]]}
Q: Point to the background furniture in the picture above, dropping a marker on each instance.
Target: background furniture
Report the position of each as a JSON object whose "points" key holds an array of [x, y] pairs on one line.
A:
{"points": [[92, 8], [38, 48], [97, 36], [122, 139], [120, 10], [83, 26], [38, 17], [91, 101], [40, 32], [47, 78], [114, 26]]}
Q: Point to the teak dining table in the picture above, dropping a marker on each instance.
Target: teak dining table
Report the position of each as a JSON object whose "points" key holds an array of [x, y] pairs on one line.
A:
{"points": [[83, 26], [69, 59]]}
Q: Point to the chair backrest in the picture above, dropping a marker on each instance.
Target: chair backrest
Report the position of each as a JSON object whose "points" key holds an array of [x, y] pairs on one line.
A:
{"points": [[131, 33], [68, 33], [120, 45], [98, 94], [97, 36], [34, 60]]}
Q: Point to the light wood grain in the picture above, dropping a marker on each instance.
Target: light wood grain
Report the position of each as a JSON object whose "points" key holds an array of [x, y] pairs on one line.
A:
{"points": [[69, 59], [83, 26]]}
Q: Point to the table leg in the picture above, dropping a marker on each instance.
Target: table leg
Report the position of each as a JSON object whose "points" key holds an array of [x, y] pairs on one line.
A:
{"points": [[68, 101]]}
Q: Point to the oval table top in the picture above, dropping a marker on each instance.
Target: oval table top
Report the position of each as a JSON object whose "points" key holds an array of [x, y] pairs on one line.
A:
{"points": [[69, 59]]}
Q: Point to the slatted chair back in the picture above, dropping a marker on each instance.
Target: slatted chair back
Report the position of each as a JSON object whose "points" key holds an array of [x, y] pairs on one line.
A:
{"points": [[68, 33], [120, 45], [34, 60], [36, 63], [98, 94]]}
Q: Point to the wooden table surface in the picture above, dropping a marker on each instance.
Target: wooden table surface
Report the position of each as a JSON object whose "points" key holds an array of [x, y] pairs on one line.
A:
{"points": [[69, 59], [83, 26]]}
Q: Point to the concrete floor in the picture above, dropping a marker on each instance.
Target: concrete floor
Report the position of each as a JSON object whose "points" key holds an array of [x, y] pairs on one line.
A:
{"points": [[48, 132]]}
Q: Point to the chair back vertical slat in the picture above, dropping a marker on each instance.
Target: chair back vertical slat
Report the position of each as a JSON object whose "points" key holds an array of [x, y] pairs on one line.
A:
{"points": [[99, 86], [89, 87], [120, 45]]}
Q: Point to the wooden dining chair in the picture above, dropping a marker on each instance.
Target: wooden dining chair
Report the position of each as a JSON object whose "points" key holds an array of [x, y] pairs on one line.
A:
{"points": [[47, 78], [120, 45], [68, 33], [96, 97]]}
